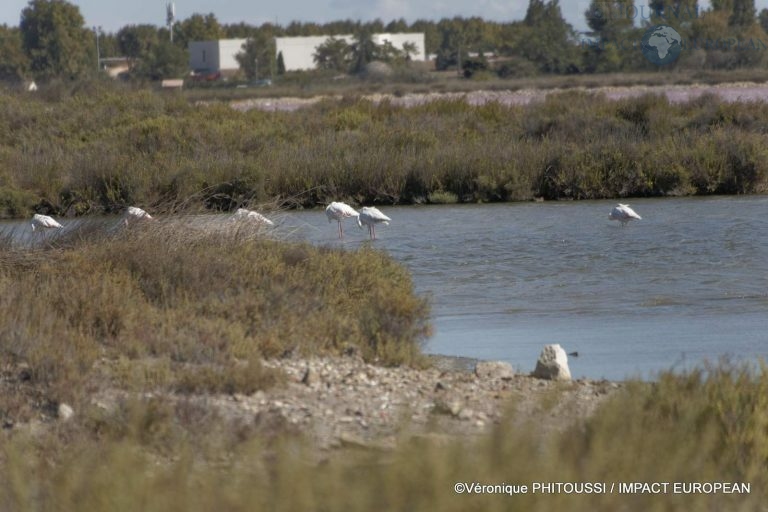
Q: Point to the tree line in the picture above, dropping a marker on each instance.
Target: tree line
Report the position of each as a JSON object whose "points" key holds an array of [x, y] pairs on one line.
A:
{"points": [[53, 41]]}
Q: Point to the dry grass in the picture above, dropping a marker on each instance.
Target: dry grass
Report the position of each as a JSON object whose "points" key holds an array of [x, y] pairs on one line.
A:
{"points": [[706, 426], [205, 305]]}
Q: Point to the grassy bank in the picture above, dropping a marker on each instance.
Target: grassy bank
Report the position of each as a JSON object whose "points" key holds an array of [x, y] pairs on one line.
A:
{"points": [[170, 309], [99, 148], [695, 428]]}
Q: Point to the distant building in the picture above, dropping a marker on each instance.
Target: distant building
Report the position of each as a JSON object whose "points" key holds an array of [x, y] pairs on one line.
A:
{"points": [[211, 57], [298, 52], [115, 66]]}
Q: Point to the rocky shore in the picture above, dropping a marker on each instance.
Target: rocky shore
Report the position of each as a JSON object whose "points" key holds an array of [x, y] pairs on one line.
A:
{"points": [[343, 401]]}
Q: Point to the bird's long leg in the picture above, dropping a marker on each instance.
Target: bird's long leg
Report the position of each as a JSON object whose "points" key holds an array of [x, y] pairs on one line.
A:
{"points": [[373, 231], [341, 231]]}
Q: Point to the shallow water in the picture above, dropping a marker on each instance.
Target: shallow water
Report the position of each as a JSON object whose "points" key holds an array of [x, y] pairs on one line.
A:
{"points": [[686, 283]]}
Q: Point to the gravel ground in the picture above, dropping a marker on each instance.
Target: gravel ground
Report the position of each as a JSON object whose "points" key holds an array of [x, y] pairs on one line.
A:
{"points": [[344, 401]]}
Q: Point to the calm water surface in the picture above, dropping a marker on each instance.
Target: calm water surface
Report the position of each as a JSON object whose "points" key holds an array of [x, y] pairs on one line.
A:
{"points": [[687, 283]]}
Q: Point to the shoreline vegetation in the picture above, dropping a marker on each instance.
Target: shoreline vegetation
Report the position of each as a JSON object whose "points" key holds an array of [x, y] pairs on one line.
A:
{"points": [[97, 147], [154, 368], [209, 368]]}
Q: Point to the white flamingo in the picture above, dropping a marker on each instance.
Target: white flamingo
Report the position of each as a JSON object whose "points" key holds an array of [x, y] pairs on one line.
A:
{"points": [[243, 214], [623, 213], [44, 221], [371, 216], [134, 214], [339, 211]]}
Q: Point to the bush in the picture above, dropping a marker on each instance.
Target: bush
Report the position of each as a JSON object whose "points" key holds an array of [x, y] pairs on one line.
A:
{"points": [[206, 305], [107, 149]]}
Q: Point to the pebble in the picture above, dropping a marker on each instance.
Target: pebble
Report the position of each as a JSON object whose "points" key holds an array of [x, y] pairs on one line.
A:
{"points": [[332, 397]]}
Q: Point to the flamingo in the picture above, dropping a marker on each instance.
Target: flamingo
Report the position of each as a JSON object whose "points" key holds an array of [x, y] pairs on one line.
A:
{"points": [[243, 214], [133, 214], [44, 221], [339, 211], [623, 213], [370, 217]]}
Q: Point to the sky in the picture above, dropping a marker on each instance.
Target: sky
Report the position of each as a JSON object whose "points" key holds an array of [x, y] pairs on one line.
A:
{"points": [[111, 15]]}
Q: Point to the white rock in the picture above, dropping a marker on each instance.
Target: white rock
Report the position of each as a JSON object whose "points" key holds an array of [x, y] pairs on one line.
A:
{"points": [[552, 364], [65, 412], [466, 414], [492, 370]]}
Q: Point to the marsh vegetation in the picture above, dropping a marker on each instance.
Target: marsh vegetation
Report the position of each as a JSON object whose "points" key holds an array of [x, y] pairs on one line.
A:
{"points": [[156, 311], [97, 148]]}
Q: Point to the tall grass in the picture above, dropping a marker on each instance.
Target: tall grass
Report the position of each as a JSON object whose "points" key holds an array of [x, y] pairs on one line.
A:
{"points": [[700, 427], [100, 151]]}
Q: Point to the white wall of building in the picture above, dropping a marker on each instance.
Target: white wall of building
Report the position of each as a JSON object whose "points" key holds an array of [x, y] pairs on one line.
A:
{"points": [[298, 52], [228, 48], [215, 56]]}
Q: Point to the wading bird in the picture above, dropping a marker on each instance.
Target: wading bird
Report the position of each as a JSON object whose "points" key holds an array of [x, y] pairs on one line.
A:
{"points": [[623, 213], [243, 214], [134, 214], [370, 217], [339, 211], [44, 221]]}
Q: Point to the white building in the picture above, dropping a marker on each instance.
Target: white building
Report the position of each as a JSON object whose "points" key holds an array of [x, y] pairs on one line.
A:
{"points": [[215, 56], [298, 52]]}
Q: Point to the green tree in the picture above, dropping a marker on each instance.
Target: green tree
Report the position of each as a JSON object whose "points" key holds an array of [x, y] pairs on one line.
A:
{"points": [[334, 54], [239, 31], [432, 36], [280, 64], [678, 13], [14, 64], [763, 19], [108, 45], [363, 50], [162, 60], [135, 41], [388, 52], [257, 57], [743, 14], [396, 26], [409, 50], [454, 46], [55, 39], [610, 23], [547, 39], [340, 27], [197, 28], [722, 5]]}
